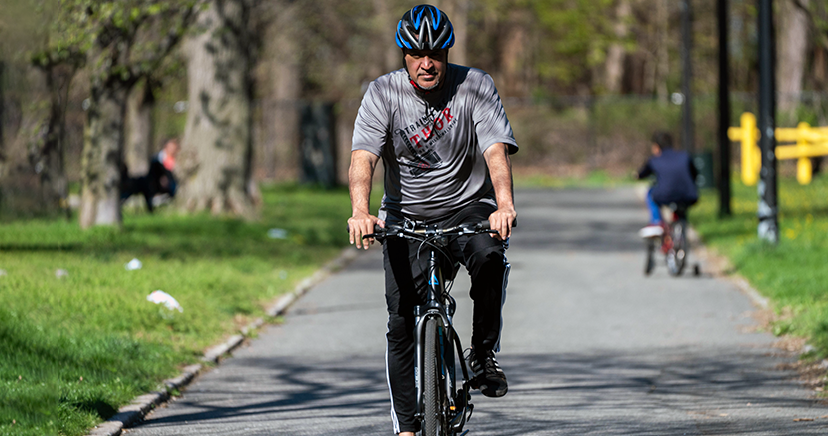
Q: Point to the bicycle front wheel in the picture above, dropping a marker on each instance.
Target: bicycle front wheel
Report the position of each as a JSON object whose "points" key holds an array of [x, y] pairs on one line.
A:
{"points": [[650, 261], [433, 395]]}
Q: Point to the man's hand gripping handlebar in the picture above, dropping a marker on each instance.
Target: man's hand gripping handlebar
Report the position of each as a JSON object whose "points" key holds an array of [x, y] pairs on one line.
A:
{"points": [[359, 226]]}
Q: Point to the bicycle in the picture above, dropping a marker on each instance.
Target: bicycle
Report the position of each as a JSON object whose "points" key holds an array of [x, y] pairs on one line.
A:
{"points": [[673, 242], [443, 405]]}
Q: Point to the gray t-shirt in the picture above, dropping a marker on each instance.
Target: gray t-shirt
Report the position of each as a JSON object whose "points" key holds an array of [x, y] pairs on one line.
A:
{"points": [[432, 145]]}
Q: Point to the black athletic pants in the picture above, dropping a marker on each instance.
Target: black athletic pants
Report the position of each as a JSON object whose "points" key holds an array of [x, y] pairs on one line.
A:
{"points": [[405, 288]]}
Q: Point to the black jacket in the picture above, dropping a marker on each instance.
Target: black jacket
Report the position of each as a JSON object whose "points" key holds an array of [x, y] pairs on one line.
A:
{"points": [[675, 177]]}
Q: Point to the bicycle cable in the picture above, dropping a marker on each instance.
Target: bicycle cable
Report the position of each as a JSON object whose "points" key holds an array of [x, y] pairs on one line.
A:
{"points": [[428, 241]]}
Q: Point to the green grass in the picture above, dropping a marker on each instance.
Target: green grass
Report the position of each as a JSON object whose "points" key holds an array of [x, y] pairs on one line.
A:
{"points": [[792, 274], [74, 349]]}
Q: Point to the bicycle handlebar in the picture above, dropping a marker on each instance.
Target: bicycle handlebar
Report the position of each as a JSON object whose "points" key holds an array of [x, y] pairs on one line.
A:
{"points": [[421, 232], [429, 231]]}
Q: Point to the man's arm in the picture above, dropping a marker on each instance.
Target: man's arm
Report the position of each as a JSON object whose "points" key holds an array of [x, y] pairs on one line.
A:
{"points": [[500, 171], [360, 175]]}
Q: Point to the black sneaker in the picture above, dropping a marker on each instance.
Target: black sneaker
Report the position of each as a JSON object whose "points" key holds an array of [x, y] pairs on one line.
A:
{"points": [[486, 374]]}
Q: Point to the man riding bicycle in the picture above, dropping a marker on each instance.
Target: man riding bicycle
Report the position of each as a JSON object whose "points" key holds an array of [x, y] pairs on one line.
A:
{"points": [[445, 142]]}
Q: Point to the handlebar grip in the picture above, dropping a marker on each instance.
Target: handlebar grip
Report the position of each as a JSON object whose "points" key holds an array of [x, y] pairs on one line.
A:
{"points": [[484, 225]]}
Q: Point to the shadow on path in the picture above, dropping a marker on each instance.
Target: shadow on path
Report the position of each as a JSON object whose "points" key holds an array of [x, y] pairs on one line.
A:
{"points": [[663, 391]]}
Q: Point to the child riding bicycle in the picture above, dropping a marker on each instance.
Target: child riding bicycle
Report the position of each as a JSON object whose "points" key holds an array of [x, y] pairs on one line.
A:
{"points": [[675, 181]]}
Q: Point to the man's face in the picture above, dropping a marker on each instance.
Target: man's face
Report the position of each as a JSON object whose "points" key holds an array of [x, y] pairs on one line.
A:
{"points": [[426, 67]]}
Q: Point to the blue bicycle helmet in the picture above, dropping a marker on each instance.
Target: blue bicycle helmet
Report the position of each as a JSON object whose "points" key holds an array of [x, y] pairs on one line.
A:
{"points": [[425, 27]]}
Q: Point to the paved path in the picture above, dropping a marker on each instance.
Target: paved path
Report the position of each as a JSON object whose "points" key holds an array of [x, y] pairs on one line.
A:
{"points": [[591, 347]]}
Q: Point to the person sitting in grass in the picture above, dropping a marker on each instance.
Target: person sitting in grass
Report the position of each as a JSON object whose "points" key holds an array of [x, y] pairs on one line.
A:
{"points": [[159, 184], [675, 177]]}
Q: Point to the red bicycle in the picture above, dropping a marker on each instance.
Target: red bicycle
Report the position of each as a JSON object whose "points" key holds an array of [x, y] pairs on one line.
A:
{"points": [[672, 242]]}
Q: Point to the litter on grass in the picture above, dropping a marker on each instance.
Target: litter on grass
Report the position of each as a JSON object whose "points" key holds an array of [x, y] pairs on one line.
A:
{"points": [[2, 272], [277, 234], [61, 273], [133, 264], [161, 297]]}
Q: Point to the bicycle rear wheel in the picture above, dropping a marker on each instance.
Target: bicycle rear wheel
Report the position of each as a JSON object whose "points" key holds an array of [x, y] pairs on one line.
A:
{"points": [[677, 256], [433, 395]]}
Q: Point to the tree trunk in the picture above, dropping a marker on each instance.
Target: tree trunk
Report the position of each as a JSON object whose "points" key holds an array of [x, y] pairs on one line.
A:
{"points": [[458, 13], [614, 67], [102, 160], [278, 146], [2, 121], [662, 67], [217, 145], [513, 53], [385, 56], [139, 130], [47, 151], [792, 49]]}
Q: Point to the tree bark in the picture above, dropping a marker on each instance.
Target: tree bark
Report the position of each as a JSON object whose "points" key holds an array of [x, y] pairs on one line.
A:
{"points": [[217, 145], [139, 130], [614, 66], [278, 133], [2, 120], [103, 155], [662, 55], [513, 54], [458, 13], [47, 153], [792, 50]]}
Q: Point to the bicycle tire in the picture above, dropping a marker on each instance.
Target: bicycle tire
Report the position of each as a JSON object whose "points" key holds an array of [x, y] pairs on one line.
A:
{"points": [[649, 265], [677, 257], [432, 398]]}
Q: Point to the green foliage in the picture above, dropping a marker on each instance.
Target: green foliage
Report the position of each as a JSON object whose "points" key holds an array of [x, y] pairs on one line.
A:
{"points": [[792, 274], [96, 323], [578, 33], [126, 38]]}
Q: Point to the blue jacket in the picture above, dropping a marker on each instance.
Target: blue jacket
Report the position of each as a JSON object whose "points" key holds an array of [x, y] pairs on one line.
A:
{"points": [[675, 177]]}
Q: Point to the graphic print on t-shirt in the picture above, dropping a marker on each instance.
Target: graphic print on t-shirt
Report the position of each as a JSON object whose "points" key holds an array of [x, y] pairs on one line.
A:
{"points": [[420, 139]]}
